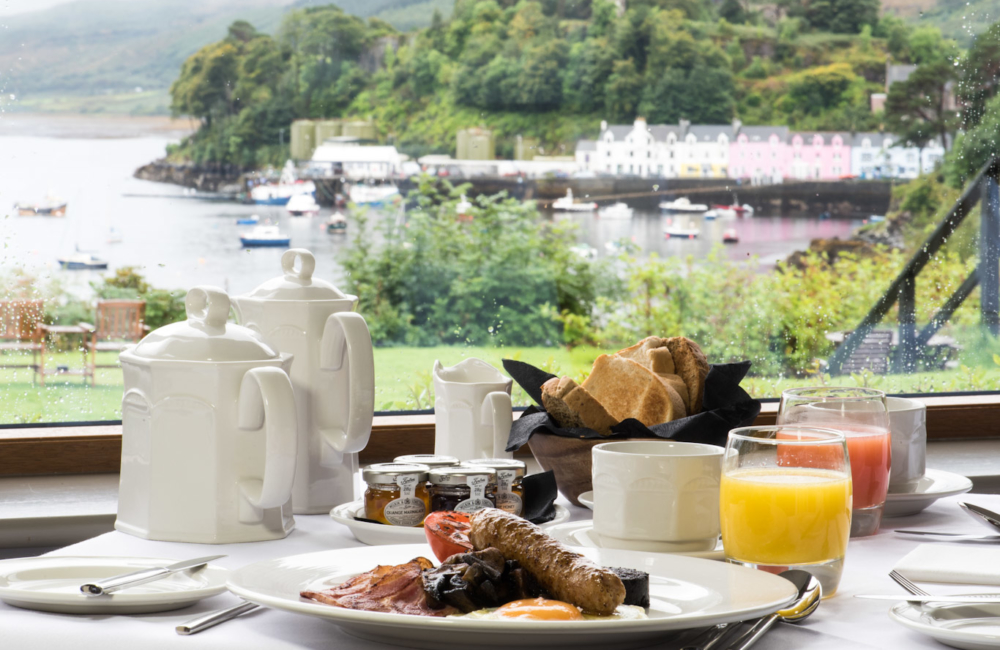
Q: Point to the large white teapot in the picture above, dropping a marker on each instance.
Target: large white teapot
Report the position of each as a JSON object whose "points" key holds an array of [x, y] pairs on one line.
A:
{"points": [[333, 375], [208, 431]]}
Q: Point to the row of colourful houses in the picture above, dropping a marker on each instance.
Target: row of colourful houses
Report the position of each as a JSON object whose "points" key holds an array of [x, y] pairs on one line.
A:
{"points": [[757, 154]]}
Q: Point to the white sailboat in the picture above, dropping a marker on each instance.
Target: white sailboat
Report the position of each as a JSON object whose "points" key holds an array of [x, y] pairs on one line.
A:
{"points": [[567, 204], [683, 205], [616, 211]]}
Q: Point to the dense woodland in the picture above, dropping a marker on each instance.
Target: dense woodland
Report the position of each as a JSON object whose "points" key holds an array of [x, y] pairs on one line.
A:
{"points": [[553, 69]]}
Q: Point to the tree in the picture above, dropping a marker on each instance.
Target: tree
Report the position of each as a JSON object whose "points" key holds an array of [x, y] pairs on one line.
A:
{"points": [[839, 16], [916, 109], [623, 91], [732, 11], [980, 75], [204, 88]]}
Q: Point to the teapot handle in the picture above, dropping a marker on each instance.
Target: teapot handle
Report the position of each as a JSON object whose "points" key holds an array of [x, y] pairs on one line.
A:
{"points": [[346, 338], [266, 400], [498, 414]]}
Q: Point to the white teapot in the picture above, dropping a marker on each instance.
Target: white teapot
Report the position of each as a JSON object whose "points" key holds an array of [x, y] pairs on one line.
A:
{"points": [[472, 410], [208, 431], [333, 375]]}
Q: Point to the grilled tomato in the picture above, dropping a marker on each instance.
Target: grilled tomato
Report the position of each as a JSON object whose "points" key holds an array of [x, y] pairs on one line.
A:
{"points": [[448, 533]]}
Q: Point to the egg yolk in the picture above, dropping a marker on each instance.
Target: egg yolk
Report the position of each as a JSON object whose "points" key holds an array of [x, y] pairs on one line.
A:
{"points": [[540, 609]]}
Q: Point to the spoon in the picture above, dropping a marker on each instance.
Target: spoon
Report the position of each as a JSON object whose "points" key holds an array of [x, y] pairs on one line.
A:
{"points": [[805, 604], [810, 594]]}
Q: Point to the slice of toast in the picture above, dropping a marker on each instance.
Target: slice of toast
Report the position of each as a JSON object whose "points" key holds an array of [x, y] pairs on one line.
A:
{"points": [[630, 390], [571, 406], [692, 366], [652, 352]]}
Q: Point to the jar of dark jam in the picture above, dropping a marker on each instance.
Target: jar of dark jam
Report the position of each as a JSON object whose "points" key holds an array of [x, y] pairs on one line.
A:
{"points": [[509, 490], [397, 493], [463, 489], [431, 460]]}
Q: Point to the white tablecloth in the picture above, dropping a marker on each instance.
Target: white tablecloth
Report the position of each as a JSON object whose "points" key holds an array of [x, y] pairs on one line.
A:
{"points": [[840, 622]]}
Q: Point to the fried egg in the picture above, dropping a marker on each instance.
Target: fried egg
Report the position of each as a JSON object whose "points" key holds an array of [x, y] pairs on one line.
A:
{"points": [[543, 609]]}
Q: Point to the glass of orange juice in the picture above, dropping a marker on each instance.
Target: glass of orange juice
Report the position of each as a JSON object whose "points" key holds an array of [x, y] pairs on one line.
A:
{"points": [[862, 415], [785, 500]]}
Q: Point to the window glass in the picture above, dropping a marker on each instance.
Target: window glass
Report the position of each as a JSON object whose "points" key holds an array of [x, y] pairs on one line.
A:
{"points": [[497, 179]]}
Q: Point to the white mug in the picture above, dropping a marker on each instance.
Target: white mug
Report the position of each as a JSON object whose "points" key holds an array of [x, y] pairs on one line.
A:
{"points": [[472, 410], [657, 495], [908, 425]]}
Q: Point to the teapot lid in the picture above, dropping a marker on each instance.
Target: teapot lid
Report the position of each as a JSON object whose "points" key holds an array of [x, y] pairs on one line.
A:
{"points": [[205, 335], [298, 283]]}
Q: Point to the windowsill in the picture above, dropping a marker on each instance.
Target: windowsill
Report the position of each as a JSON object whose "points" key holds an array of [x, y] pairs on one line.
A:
{"points": [[53, 511]]}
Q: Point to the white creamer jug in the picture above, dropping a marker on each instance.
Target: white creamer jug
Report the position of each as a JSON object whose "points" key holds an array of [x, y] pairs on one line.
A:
{"points": [[472, 410], [333, 375], [208, 431]]}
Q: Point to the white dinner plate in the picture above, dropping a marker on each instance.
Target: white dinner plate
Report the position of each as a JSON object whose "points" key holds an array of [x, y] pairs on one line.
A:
{"points": [[52, 584], [381, 534], [970, 627], [685, 592], [586, 499], [935, 484], [581, 533]]}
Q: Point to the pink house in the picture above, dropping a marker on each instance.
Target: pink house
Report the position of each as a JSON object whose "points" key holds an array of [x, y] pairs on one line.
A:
{"points": [[759, 154], [824, 156]]}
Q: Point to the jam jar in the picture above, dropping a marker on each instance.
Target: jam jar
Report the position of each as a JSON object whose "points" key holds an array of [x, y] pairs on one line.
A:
{"points": [[463, 489], [509, 490], [431, 460], [397, 493]]}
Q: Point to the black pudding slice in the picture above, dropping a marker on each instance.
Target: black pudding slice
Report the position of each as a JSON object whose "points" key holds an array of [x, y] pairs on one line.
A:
{"points": [[636, 586]]}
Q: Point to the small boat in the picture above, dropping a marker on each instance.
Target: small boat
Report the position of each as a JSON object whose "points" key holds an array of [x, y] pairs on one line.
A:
{"points": [[617, 211], [682, 230], [710, 215], [302, 205], [567, 204], [337, 224], [683, 205], [372, 194], [730, 236], [252, 220], [52, 206], [281, 193], [734, 210], [464, 209], [876, 218], [82, 262], [262, 236]]}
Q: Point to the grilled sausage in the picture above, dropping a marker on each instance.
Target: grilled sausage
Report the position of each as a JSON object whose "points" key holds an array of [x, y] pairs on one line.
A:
{"points": [[566, 575]]}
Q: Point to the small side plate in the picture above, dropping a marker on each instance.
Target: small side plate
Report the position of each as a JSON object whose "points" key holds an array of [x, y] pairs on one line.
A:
{"points": [[380, 534], [581, 534], [586, 499], [935, 484], [52, 584], [971, 627]]}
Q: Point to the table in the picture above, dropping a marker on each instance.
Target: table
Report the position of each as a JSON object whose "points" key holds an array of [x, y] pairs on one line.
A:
{"points": [[841, 622]]}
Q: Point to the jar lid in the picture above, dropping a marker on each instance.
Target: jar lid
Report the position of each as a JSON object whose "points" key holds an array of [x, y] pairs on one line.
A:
{"points": [[460, 475], [520, 469], [205, 335], [298, 283], [431, 460], [388, 472]]}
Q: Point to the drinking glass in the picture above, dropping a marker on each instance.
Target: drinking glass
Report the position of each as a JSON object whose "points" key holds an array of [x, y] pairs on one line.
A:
{"points": [[785, 500], [862, 415]]}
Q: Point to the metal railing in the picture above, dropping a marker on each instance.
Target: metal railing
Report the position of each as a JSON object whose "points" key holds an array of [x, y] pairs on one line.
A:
{"points": [[983, 188]]}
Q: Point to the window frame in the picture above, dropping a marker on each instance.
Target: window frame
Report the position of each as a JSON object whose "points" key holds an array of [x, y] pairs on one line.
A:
{"points": [[95, 447]]}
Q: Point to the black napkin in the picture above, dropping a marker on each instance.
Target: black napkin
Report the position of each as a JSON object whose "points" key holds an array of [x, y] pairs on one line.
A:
{"points": [[726, 407], [540, 494]]}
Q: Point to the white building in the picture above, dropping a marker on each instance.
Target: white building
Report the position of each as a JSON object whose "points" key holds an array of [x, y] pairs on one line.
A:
{"points": [[586, 155], [356, 161], [881, 155], [703, 152], [658, 151]]}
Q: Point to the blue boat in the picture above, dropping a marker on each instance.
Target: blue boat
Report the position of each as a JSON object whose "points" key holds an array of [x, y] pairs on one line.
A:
{"points": [[265, 236], [81, 262], [248, 221]]}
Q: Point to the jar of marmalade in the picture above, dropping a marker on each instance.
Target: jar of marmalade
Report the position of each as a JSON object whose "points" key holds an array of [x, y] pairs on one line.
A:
{"points": [[463, 489], [396, 494], [431, 460], [509, 490]]}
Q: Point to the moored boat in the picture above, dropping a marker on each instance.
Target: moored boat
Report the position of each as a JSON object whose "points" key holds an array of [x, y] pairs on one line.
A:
{"points": [[730, 236], [337, 224], [82, 262], [682, 229], [363, 194], [464, 209], [264, 236], [567, 204], [734, 210], [252, 220], [302, 205], [683, 205], [281, 193], [616, 211], [52, 206]]}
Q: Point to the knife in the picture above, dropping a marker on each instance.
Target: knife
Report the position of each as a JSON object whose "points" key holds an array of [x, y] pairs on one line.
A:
{"points": [[109, 585], [986, 517], [958, 537], [974, 598]]}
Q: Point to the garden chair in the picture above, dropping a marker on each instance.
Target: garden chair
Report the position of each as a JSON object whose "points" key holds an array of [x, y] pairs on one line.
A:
{"points": [[22, 330], [119, 324]]}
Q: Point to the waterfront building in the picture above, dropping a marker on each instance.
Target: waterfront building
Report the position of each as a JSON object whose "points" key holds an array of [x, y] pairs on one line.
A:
{"points": [[758, 154], [586, 155], [475, 144], [356, 161], [818, 156], [881, 155], [703, 152]]}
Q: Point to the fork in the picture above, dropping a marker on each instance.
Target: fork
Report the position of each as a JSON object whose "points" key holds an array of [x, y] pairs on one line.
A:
{"points": [[905, 583]]}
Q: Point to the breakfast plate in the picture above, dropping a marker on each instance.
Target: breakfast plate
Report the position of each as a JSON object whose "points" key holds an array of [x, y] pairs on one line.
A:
{"points": [[970, 627], [52, 584], [935, 484], [381, 534], [685, 593], [581, 533]]}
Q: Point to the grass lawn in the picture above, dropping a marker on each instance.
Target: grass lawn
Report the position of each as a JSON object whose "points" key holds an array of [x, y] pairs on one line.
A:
{"points": [[403, 381]]}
